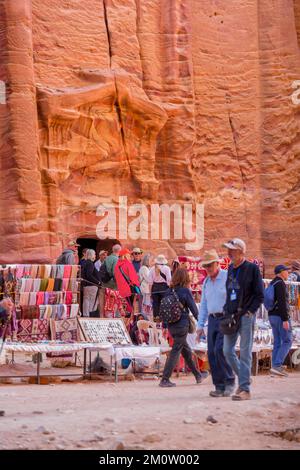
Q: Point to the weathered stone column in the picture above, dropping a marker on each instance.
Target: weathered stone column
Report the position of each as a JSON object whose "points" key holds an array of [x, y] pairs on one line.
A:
{"points": [[21, 196]]}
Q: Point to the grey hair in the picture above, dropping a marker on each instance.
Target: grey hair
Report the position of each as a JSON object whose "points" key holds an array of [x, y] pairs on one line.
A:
{"points": [[116, 248], [146, 259], [90, 254]]}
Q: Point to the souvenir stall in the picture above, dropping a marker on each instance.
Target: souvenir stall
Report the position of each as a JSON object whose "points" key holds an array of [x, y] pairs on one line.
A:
{"points": [[46, 319], [114, 332], [46, 299]]}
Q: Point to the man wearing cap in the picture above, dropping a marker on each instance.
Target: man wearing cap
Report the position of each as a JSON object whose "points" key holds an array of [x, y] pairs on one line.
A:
{"points": [[280, 321], [244, 294], [137, 259], [69, 254], [212, 302], [102, 257]]}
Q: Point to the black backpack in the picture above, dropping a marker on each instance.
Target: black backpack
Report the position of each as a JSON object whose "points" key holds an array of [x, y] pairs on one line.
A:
{"points": [[104, 275], [171, 308]]}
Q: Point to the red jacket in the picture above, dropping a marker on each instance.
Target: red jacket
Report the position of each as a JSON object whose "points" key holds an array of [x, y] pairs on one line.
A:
{"points": [[130, 272]]}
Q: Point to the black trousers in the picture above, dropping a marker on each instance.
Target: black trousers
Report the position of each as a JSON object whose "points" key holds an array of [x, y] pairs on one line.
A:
{"points": [[158, 293], [180, 346]]}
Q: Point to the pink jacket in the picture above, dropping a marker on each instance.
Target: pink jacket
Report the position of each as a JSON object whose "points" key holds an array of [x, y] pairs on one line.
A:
{"points": [[129, 271]]}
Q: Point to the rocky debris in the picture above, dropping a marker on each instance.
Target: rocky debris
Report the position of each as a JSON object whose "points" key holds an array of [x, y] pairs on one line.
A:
{"points": [[43, 430], [110, 420], [119, 445], [152, 437], [288, 434], [38, 412], [2, 413], [136, 447], [211, 419], [189, 421]]}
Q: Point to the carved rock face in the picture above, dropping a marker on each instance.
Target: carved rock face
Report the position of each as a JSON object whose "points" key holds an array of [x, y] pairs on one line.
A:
{"points": [[157, 101]]}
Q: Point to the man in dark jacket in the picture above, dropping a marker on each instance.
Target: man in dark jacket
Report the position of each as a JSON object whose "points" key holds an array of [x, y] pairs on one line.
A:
{"points": [[245, 291], [280, 321]]}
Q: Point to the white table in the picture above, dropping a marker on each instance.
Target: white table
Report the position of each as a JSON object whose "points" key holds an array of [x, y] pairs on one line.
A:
{"points": [[57, 347], [134, 352]]}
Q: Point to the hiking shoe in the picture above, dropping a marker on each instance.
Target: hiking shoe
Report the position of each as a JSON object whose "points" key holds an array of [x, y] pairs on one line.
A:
{"points": [[167, 384], [202, 377], [279, 371], [229, 389], [216, 393], [242, 395]]}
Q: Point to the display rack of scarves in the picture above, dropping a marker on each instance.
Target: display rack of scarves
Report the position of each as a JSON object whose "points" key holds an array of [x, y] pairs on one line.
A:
{"points": [[47, 291], [293, 289]]}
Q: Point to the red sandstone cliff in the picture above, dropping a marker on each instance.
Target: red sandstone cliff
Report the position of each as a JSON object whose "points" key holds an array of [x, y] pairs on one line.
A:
{"points": [[160, 101]]}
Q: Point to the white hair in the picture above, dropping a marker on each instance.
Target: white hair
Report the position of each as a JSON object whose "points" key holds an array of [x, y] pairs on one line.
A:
{"points": [[90, 254], [116, 248]]}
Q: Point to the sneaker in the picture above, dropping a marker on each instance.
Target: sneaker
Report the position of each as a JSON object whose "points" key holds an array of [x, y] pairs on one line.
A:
{"points": [[229, 389], [167, 383], [279, 371], [202, 377], [242, 395], [284, 371], [216, 393]]}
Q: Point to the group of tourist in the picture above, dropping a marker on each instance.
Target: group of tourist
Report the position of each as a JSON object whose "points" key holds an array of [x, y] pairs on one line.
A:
{"points": [[237, 293]]}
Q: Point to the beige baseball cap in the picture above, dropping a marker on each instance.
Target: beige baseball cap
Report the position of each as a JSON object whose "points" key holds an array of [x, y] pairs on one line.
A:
{"points": [[236, 244]]}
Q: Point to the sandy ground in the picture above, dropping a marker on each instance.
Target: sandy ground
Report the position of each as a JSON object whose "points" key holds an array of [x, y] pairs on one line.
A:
{"points": [[140, 415]]}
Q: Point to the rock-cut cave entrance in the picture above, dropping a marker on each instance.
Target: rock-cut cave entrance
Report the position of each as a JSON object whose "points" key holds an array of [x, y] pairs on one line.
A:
{"points": [[96, 244]]}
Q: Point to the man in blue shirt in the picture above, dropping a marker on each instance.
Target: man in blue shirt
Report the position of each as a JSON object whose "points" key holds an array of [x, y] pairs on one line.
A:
{"points": [[212, 302]]}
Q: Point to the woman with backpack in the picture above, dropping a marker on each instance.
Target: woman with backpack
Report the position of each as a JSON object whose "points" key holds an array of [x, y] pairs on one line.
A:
{"points": [[179, 295], [159, 281]]}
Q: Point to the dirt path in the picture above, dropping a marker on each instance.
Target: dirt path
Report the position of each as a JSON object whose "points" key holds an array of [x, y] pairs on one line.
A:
{"points": [[138, 414]]}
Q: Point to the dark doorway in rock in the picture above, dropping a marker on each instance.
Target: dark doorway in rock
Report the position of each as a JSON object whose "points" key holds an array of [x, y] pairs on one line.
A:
{"points": [[96, 244]]}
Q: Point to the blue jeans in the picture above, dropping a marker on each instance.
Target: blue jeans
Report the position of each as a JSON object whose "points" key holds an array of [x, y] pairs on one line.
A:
{"points": [[221, 372], [241, 366], [283, 340]]}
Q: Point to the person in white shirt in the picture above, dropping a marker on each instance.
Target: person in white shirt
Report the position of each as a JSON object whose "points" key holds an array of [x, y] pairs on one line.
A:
{"points": [[102, 257], [159, 281], [145, 285]]}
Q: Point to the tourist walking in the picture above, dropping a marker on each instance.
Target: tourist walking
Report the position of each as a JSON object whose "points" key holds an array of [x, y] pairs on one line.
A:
{"points": [[91, 284], [279, 319], [244, 295], [213, 298], [159, 280], [180, 284]]}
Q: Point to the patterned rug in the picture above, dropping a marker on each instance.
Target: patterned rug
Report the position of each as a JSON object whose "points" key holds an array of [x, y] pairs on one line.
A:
{"points": [[33, 330], [64, 330], [196, 272]]}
